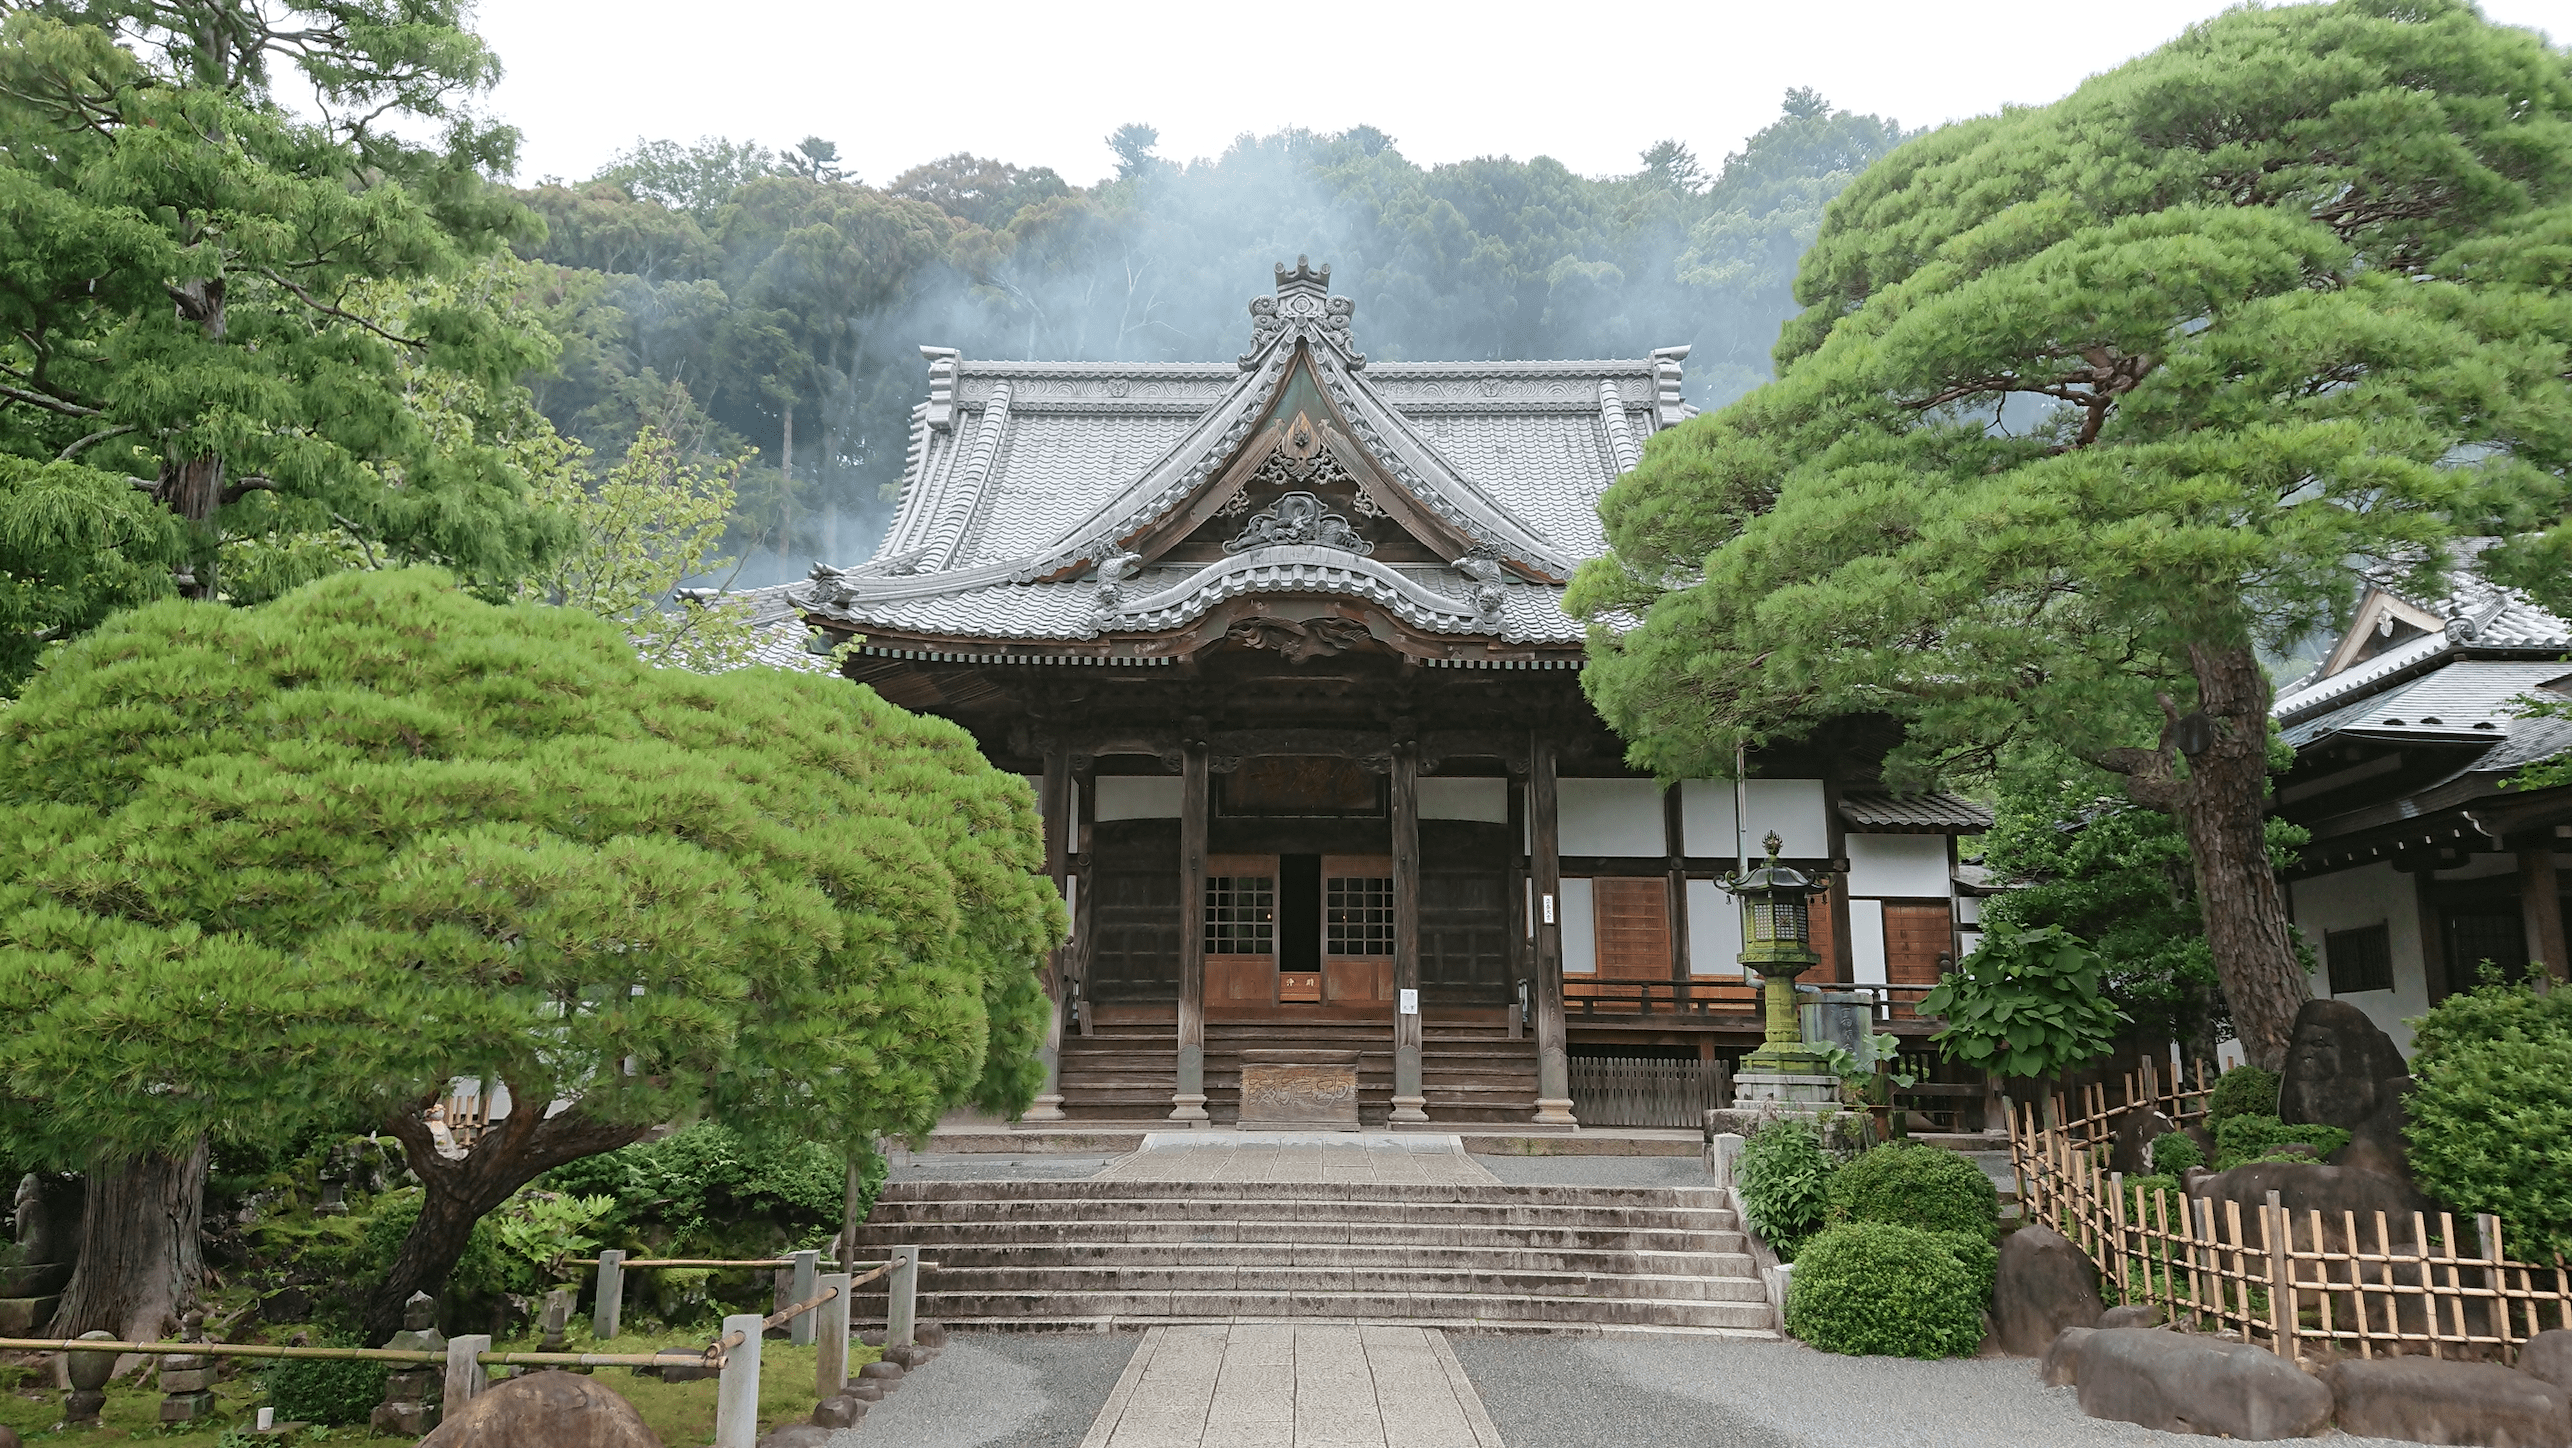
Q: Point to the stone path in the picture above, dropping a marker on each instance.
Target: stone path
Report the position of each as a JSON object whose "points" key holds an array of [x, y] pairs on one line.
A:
{"points": [[1279, 1156], [1293, 1385]]}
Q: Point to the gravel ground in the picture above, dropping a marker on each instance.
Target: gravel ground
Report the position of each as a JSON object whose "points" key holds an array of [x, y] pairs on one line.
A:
{"points": [[1598, 1171], [975, 1166], [1000, 1390], [1682, 1392]]}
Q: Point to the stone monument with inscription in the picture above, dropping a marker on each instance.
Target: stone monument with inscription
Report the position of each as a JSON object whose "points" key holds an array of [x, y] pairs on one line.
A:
{"points": [[1299, 1090]]}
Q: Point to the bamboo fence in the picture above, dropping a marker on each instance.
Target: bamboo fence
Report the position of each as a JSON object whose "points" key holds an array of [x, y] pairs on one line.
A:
{"points": [[2299, 1282]]}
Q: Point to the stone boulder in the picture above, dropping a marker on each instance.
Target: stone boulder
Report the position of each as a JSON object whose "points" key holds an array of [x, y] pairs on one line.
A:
{"points": [[2343, 1070], [2061, 1365], [2548, 1356], [2137, 1128], [558, 1410], [2042, 1286], [9, 1437], [797, 1435], [2133, 1314], [2433, 1400], [2183, 1383], [2308, 1186], [841, 1411]]}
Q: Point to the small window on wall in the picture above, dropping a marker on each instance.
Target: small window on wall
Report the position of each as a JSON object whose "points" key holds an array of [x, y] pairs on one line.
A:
{"points": [[1358, 915], [2360, 960], [1241, 915]]}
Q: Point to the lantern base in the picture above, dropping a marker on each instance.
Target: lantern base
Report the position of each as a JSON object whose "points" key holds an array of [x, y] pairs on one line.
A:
{"points": [[1780, 1058], [1785, 1088]]}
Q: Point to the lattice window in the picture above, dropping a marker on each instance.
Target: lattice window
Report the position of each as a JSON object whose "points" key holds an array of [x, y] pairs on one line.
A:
{"points": [[1358, 915], [1241, 915], [2360, 959]]}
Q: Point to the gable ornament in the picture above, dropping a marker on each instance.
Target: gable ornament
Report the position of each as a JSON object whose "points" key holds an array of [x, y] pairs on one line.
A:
{"points": [[1298, 518], [1114, 571], [1482, 581]]}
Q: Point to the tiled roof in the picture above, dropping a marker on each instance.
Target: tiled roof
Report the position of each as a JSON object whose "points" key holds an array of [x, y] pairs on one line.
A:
{"points": [[2467, 701], [2481, 618], [1933, 813], [1022, 475]]}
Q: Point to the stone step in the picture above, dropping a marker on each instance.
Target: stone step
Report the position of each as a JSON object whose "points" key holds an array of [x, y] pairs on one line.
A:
{"points": [[1106, 1323], [1597, 1216], [952, 1307], [1595, 1262], [1373, 1193], [1298, 1281], [1396, 1234]]}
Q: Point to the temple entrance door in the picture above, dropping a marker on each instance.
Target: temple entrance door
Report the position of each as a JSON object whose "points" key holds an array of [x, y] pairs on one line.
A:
{"points": [[1357, 929], [1239, 917]]}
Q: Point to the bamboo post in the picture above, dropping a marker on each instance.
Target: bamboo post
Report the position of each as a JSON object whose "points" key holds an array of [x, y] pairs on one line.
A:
{"points": [[609, 1308], [901, 1296], [804, 1285], [2274, 1225], [736, 1394], [466, 1378], [2116, 1222], [830, 1358]]}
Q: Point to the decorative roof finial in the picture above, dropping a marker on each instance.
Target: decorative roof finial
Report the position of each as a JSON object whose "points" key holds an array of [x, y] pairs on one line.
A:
{"points": [[1302, 307]]}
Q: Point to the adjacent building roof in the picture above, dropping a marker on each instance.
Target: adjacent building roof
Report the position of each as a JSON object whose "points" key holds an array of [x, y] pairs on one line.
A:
{"points": [[1935, 813], [1041, 501]]}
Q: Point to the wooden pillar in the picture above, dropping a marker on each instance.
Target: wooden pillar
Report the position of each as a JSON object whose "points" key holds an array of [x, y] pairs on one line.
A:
{"points": [[1545, 867], [1522, 932], [1084, 877], [1188, 1101], [1054, 803], [2540, 904], [1674, 835], [1409, 1100]]}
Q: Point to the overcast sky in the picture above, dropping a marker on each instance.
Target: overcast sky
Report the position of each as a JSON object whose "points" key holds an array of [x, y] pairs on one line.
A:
{"points": [[1589, 84]]}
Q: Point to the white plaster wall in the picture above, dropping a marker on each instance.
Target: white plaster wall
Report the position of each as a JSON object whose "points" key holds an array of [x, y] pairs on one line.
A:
{"points": [[1580, 932], [1793, 808], [2367, 895], [1898, 865], [1714, 930], [1706, 817], [1866, 941], [1138, 796], [1465, 799], [1620, 817]]}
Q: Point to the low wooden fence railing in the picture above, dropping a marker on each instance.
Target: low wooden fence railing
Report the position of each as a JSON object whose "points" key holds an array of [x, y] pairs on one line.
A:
{"points": [[821, 1316], [2301, 1282], [1637, 1091]]}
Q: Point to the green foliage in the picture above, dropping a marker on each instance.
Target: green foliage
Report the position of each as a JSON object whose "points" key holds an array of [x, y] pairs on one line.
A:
{"points": [[2025, 1003], [1911, 1185], [487, 1269], [76, 544], [1785, 1176], [273, 864], [326, 1390], [2142, 1188], [2490, 1108], [2242, 1091], [2120, 877], [2174, 1152], [548, 1229], [1875, 1289], [2240, 1140], [677, 1193]]}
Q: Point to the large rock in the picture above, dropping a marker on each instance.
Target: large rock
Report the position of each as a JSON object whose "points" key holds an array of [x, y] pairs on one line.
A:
{"points": [[2137, 1128], [797, 1435], [2043, 1285], [2061, 1365], [2183, 1383], [557, 1410], [2548, 1356], [2342, 1070], [2431, 1400], [2133, 1314], [2304, 1187]]}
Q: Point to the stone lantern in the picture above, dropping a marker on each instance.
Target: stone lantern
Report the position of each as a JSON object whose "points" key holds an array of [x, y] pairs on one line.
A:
{"points": [[1777, 944]]}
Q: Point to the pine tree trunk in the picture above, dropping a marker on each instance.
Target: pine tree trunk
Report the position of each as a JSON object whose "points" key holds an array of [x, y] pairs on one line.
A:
{"points": [[461, 1190], [141, 1256], [2221, 803], [193, 487]]}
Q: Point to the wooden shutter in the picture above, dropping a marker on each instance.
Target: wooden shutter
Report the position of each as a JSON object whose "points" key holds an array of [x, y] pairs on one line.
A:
{"points": [[1632, 917], [1915, 935]]}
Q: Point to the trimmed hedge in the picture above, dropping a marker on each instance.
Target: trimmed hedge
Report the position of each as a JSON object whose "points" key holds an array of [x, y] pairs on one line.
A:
{"points": [[2240, 1140], [1874, 1289], [2242, 1091], [326, 1390], [1785, 1176], [2490, 1108], [2173, 1152], [1910, 1185]]}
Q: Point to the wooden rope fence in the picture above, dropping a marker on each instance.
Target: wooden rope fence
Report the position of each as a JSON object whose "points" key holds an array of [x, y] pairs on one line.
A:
{"points": [[2296, 1281]]}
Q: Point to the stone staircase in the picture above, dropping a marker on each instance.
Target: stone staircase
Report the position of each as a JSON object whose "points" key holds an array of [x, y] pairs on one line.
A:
{"points": [[1064, 1255], [1468, 1073]]}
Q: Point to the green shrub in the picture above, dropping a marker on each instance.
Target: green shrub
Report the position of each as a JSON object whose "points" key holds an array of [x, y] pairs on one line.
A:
{"points": [[1785, 1176], [1980, 1259], [1910, 1185], [1879, 1290], [2242, 1091], [2139, 1190], [2173, 1152], [326, 1390], [2490, 1108], [699, 1188], [2241, 1140]]}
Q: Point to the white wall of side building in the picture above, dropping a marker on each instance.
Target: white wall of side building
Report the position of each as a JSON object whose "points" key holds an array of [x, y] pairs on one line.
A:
{"points": [[2353, 899]]}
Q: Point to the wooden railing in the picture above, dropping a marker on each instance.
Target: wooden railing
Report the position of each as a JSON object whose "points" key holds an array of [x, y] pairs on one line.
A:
{"points": [[1630, 1091], [2298, 1281], [1594, 996]]}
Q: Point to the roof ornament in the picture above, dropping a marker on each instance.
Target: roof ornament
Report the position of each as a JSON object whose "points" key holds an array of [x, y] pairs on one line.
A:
{"points": [[1298, 518], [1482, 573], [1114, 572], [1302, 307]]}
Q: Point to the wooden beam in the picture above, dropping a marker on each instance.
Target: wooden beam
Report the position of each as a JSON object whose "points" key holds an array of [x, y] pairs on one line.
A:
{"points": [[1054, 808], [1409, 1101], [2540, 903], [1521, 951], [1188, 1101], [1674, 840], [1553, 1060]]}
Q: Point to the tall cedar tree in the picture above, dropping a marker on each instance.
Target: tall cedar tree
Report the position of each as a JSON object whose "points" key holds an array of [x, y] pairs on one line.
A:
{"points": [[269, 865], [2089, 401]]}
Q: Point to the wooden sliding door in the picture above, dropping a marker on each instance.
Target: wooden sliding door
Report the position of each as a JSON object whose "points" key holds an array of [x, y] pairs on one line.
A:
{"points": [[1357, 928], [1239, 918]]}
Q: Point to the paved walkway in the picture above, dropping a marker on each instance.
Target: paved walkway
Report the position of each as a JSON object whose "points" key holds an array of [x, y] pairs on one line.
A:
{"points": [[1282, 1156], [1293, 1385]]}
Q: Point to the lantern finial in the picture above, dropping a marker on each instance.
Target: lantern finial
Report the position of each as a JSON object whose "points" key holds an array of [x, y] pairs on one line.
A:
{"points": [[1774, 844]]}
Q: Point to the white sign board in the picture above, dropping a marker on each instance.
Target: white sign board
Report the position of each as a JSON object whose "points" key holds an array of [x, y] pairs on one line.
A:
{"points": [[1410, 1003]]}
